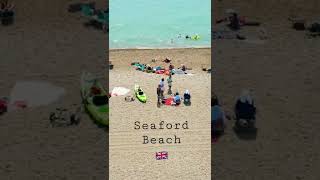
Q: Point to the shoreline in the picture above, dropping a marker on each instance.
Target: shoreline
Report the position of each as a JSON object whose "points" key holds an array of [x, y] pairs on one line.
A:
{"points": [[160, 48]]}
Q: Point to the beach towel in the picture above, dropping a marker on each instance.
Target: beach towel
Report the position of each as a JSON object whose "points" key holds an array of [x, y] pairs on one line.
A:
{"points": [[168, 101], [159, 71], [119, 91], [179, 71]]}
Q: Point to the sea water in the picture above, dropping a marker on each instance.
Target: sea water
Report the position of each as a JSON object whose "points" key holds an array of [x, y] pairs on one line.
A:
{"points": [[159, 23]]}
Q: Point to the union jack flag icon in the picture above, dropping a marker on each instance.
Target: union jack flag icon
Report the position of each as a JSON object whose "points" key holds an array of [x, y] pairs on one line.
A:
{"points": [[161, 155]]}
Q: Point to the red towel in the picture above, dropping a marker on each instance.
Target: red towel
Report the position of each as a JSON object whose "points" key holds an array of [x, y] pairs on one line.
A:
{"points": [[168, 101]]}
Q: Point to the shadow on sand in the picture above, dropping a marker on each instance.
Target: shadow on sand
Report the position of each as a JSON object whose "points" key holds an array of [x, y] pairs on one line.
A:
{"points": [[246, 134]]}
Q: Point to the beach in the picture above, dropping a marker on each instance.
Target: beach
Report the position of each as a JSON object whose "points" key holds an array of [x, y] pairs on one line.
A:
{"points": [[47, 43], [281, 71], [129, 157]]}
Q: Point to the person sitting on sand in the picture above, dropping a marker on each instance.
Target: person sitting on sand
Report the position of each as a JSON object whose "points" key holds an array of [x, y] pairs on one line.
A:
{"points": [[186, 95], [217, 120], [171, 67], [148, 67], [140, 92], [183, 67], [187, 98], [177, 99], [244, 107], [167, 60]]}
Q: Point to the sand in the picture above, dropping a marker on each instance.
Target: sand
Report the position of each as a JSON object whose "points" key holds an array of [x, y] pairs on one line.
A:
{"points": [[282, 71], [129, 157], [46, 43]]}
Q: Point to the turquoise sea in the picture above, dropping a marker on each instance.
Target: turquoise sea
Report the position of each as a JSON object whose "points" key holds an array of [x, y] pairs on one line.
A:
{"points": [[159, 23]]}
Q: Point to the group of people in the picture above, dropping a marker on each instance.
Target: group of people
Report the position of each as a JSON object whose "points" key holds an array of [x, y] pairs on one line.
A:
{"points": [[6, 11], [244, 110], [176, 97]]}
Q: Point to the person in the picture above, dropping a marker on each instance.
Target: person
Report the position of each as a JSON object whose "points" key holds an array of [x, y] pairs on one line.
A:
{"points": [[169, 80], [234, 22], [167, 60], [6, 12], [187, 97], [159, 93], [245, 109], [161, 88], [149, 68], [177, 99], [188, 37], [183, 67], [171, 67], [217, 120], [214, 100]]}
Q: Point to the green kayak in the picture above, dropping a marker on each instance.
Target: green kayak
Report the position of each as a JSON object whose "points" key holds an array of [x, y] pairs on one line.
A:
{"points": [[140, 94], [95, 98]]}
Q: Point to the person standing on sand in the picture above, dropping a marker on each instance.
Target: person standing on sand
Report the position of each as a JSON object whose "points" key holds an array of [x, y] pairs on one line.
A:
{"points": [[161, 88], [169, 80], [159, 94]]}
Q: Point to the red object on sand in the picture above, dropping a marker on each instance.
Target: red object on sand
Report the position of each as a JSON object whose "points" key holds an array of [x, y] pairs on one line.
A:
{"points": [[168, 101], [159, 71]]}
